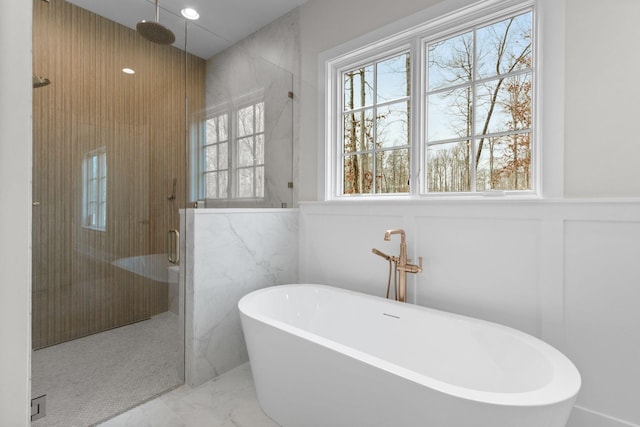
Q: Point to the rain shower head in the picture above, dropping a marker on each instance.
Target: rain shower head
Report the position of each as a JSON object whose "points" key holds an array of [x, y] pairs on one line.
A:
{"points": [[40, 81], [154, 32]]}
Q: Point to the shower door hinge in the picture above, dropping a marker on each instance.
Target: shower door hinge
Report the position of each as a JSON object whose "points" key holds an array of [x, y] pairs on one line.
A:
{"points": [[289, 184], [290, 94], [38, 407]]}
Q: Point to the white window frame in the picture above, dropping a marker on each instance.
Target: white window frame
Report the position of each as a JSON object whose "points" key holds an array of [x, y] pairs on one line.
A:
{"points": [[340, 112], [232, 110], [435, 22], [473, 84], [203, 171], [99, 180], [257, 193]]}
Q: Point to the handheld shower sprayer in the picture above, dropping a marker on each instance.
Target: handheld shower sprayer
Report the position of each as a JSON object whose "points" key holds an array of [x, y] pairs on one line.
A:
{"points": [[173, 193], [40, 81], [380, 253]]}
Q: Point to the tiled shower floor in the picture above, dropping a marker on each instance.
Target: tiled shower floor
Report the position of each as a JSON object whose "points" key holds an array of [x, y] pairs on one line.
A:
{"points": [[92, 378]]}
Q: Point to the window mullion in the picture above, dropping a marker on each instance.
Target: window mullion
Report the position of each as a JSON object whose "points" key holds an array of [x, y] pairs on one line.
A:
{"points": [[374, 130], [374, 148], [417, 150], [254, 190], [472, 119], [233, 154], [253, 152]]}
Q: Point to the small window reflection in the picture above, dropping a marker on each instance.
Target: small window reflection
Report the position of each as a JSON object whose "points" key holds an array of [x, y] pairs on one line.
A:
{"points": [[94, 189]]}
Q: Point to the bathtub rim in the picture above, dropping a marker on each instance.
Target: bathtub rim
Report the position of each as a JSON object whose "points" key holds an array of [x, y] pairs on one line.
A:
{"points": [[150, 266], [563, 386]]}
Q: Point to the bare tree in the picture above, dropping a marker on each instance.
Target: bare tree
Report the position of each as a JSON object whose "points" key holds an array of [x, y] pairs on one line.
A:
{"points": [[357, 132], [364, 134], [505, 48]]}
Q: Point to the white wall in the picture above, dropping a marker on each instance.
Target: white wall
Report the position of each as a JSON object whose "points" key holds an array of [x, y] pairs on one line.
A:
{"points": [[602, 147], [564, 271], [15, 213]]}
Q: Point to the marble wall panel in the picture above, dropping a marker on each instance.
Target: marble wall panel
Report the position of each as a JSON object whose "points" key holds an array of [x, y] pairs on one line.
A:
{"points": [[230, 253]]}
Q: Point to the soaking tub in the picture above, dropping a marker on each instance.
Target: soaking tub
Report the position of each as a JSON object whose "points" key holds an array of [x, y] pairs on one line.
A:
{"points": [[324, 356], [152, 266]]}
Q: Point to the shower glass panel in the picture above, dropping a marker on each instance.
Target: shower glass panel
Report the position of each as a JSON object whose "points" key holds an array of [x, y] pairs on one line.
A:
{"points": [[243, 153], [110, 153]]}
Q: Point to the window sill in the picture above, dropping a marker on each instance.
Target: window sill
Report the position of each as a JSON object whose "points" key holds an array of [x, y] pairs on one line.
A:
{"points": [[453, 197], [87, 227]]}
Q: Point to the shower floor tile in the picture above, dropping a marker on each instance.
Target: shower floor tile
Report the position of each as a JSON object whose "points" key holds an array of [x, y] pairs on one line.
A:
{"points": [[90, 379], [226, 401]]}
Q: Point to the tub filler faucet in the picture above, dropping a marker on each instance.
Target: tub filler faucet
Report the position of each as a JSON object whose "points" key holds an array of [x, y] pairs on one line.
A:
{"points": [[402, 265]]}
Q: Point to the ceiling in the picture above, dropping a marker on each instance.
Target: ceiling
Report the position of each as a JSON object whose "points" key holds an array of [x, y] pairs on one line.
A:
{"points": [[222, 23]]}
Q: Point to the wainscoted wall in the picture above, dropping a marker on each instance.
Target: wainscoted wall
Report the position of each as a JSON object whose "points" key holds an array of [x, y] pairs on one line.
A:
{"points": [[139, 122], [564, 271], [230, 253]]}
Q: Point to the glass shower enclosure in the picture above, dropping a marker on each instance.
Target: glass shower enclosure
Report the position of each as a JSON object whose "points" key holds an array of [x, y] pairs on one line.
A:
{"points": [[111, 115], [128, 133]]}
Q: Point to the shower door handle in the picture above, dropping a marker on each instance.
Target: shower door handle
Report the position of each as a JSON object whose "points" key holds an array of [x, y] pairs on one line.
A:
{"points": [[173, 246]]}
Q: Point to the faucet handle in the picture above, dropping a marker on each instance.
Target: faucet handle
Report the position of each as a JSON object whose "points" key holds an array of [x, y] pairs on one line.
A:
{"points": [[412, 268]]}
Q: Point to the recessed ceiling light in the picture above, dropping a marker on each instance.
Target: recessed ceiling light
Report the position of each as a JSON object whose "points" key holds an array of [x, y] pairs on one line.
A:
{"points": [[128, 71], [190, 13]]}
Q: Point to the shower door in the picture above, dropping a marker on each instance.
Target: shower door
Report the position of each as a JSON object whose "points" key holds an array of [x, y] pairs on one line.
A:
{"points": [[109, 171]]}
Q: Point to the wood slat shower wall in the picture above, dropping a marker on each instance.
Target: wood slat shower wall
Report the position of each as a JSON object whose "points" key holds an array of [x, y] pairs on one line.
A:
{"points": [[140, 120]]}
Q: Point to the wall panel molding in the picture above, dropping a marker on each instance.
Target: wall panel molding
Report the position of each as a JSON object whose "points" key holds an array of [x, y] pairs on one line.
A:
{"points": [[578, 278]]}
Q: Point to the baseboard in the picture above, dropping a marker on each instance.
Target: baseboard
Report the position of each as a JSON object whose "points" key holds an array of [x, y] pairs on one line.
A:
{"points": [[583, 417]]}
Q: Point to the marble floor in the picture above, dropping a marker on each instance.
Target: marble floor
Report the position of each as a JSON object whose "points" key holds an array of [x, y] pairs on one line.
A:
{"points": [[90, 379], [226, 401]]}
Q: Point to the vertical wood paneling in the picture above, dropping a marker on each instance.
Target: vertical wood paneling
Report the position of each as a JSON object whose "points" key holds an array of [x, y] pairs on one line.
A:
{"points": [[140, 119]]}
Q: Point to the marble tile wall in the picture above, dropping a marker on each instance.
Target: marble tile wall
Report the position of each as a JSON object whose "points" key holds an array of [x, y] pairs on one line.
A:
{"points": [[230, 253]]}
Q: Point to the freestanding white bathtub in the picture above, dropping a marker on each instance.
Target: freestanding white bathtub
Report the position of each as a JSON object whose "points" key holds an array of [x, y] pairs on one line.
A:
{"points": [[328, 357]]}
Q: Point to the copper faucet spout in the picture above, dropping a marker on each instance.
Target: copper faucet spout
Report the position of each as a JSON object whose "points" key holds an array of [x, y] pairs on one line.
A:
{"points": [[403, 243], [400, 231]]}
